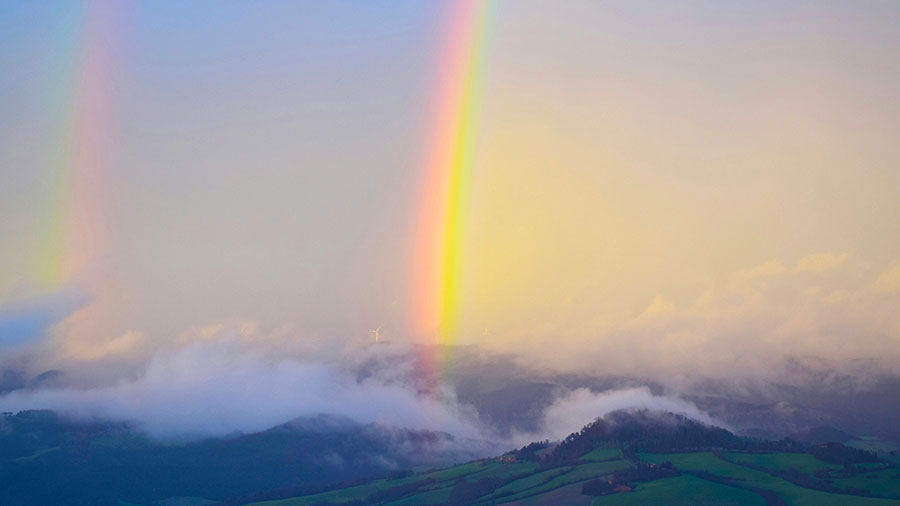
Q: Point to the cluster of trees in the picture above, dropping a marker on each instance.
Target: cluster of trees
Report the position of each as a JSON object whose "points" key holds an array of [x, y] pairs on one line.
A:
{"points": [[529, 451], [816, 483], [577, 444], [836, 453], [643, 431]]}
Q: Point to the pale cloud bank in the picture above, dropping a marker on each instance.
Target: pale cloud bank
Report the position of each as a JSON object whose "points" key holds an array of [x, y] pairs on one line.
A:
{"points": [[572, 411], [227, 383], [217, 387], [827, 310]]}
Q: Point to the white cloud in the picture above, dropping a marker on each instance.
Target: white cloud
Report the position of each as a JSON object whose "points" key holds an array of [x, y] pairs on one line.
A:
{"points": [[574, 410], [220, 386]]}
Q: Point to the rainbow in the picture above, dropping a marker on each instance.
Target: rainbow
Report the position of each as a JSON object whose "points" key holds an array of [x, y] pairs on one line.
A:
{"points": [[448, 169], [73, 239], [74, 232]]}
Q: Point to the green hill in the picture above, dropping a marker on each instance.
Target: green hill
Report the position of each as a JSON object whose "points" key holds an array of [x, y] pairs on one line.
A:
{"points": [[640, 458]]}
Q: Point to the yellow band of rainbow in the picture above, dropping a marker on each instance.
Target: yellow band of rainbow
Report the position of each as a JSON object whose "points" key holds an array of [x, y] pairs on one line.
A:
{"points": [[448, 169]]}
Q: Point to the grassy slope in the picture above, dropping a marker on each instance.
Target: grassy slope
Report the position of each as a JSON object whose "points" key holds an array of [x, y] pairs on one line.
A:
{"points": [[568, 476], [502, 470], [551, 486], [569, 495], [803, 462], [437, 496], [532, 481], [683, 490], [431, 493], [603, 454], [339, 495], [885, 482], [439, 490], [799, 496], [586, 472], [518, 487]]}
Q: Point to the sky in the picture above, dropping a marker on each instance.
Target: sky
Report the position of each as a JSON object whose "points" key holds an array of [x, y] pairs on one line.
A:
{"points": [[690, 187]]}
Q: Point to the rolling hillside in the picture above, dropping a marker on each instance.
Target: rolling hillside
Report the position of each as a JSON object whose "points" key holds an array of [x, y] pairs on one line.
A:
{"points": [[626, 458], [49, 459], [639, 458]]}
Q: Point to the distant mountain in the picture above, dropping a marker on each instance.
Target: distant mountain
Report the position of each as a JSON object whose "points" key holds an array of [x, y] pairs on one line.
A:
{"points": [[860, 407], [49, 459], [512, 398], [821, 435]]}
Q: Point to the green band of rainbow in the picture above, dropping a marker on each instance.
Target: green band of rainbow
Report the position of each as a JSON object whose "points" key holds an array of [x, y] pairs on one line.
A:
{"points": [[448, 171]]}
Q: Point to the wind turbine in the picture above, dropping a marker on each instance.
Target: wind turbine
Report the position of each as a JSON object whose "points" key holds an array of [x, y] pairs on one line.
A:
{"points": [[377, 333]]}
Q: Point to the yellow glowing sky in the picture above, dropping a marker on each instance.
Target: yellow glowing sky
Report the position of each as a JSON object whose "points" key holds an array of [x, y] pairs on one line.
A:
{"points": [[635, 154]]}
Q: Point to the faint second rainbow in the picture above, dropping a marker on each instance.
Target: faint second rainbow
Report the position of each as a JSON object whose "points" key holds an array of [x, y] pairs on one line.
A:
{"points": [[448, 168], [73, 234]]}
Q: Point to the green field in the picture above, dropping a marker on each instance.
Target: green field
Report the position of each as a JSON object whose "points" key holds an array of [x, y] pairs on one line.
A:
{"points": [[729, 479], [342, 494], [438, 496], [530, 482], [603, 454], [571, 475], [885, 482], [682, 491], [569, 495], [456, 471], [502, 470], [696, 461], [436, 486], [793, 494], [803, 462]]}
